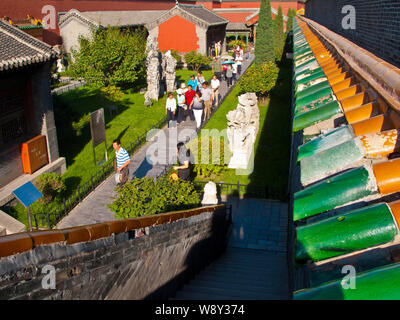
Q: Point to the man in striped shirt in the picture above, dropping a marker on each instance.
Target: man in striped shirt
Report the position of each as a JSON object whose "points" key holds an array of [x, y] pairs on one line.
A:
{"points": [[122, 161]]}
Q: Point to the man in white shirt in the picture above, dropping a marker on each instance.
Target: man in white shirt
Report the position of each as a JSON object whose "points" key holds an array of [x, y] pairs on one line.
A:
{"points": [[170, 108], [234, 71], [215, 84]]}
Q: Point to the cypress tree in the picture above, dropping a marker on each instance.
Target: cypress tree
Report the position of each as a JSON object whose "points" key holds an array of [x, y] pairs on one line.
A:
{"points": [[289, 23], [265, 44], [279, 34]]}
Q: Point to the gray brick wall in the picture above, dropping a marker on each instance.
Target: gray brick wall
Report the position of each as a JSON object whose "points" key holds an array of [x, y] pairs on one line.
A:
{"points": [[121, 266], [377, 24]]}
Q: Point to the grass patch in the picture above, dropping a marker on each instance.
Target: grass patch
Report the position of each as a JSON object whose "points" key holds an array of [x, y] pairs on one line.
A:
{"points": [[71, 112], [272, 146]]}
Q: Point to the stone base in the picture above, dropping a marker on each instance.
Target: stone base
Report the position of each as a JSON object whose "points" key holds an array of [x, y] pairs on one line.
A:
{"points": [[58, 166], [239, 160]]}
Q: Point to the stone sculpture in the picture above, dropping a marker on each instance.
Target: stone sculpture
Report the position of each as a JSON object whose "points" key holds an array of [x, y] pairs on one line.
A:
{"points": [[210, 194], [169, 71], [243, 125], [153, 64]]}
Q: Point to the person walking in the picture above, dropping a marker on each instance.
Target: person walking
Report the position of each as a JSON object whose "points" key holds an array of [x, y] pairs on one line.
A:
{"points": [[121, 163], [229, 75], [224, 69], [248, 50], [238, 62], [216, 68], [189, 95], [170, 108], [197, 106], [207, 96], [193, 83], [234, 71], [215, 84], [200, 79], [181, 101]]}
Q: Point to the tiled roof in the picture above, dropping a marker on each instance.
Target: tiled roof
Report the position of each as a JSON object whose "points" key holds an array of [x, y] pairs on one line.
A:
{"points": [[18, 49], [236, 26], [203, 13], [113, 18]]}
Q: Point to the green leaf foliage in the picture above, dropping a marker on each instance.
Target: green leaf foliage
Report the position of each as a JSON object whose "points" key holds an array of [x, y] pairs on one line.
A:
{"points": [[147, 196], [111, 56], [196, 60], [279, 35], [260, 79], [215, 154], [234, 43], [265, 40], [51, 186]]}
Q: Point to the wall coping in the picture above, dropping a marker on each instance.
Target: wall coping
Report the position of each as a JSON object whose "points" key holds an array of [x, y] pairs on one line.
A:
{"points": [[382, 76], [25, 241]]}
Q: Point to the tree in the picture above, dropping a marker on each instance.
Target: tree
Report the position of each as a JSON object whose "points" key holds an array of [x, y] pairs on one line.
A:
{"points": [[197, 60], [265, 44], [111, 57], [291, 14], [260, 79], [279, 34]]}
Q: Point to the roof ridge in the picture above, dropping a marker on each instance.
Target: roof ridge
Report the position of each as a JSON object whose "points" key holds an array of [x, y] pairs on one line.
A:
{"points": [[15, 37]]}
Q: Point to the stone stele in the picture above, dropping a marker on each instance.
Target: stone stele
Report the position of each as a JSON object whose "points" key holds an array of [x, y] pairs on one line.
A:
{"points": [[169, 71], [154, 71], [243, 125], [210, 194]]}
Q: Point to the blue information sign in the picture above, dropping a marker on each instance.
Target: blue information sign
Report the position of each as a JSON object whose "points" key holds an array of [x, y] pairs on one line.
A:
{"points": [[27, 194]]}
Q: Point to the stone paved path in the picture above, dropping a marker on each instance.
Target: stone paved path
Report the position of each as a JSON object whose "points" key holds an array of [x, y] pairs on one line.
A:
{"points": [[254, 265], [93, 208]]}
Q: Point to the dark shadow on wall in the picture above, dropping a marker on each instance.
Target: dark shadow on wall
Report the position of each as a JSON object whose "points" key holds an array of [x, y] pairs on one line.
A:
{"points": [[271, 161], [200, 255]]}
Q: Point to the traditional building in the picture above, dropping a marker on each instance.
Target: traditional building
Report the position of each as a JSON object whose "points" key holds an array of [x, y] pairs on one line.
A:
{"points": [[75, 23], [188, 27], [26, 108]]}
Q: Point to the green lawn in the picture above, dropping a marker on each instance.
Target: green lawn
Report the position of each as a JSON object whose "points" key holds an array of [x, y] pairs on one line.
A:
{"points": [[272, 147], [71, 112]]}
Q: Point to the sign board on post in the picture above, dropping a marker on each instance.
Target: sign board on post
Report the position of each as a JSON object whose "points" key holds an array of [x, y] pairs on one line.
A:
{"points": [[98, 130], [27, 194]]}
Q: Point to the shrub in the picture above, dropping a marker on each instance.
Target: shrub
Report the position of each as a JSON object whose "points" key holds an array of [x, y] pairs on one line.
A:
{"points": [[259, 79], [51, 186], [111, 57], [112, 93], [234, 43], [144, 196], [216, 164], [197, 60]]}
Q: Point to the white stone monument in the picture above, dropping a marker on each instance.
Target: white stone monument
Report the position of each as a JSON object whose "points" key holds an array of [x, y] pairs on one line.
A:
{"points": [[243, 125], [210, 194]]}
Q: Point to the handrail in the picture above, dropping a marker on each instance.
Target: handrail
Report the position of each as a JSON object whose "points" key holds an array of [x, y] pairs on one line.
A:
{"points": [[25, 241]]}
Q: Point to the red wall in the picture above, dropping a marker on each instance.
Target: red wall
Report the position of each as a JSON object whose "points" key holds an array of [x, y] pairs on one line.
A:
{"points": [[18, 9], [178, 34]]}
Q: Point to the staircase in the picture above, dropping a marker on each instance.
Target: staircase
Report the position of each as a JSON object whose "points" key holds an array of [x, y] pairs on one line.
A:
{"points": [[254, 266]]}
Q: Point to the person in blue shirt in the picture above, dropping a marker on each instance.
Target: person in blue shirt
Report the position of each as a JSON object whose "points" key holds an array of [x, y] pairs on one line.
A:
{"points": [[193, 83], [122, 161]]}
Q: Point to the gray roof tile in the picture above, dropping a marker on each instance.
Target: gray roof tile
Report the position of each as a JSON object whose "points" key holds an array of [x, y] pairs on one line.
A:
{"points": [[18, 49]]}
